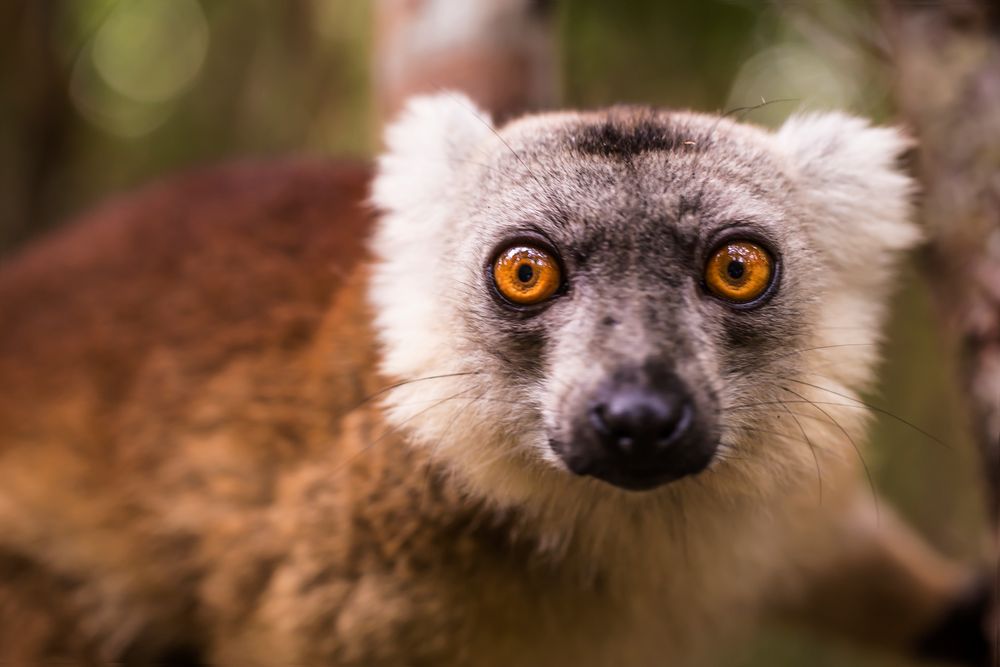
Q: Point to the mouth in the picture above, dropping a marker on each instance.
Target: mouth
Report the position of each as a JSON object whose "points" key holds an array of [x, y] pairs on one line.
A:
{"points": [[643, 480], [632, 476]]}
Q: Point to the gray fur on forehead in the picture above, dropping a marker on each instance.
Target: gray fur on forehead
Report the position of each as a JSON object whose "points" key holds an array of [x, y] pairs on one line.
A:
{"points": [[623, 132], [623, 174], [632, 156]]}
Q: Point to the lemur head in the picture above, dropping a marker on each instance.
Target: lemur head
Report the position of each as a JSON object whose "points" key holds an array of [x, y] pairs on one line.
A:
{"points": [[631, 295]]}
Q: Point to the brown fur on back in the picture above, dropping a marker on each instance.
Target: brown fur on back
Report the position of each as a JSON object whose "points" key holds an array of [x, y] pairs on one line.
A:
{"points": [[152, 357], [248, 254]]}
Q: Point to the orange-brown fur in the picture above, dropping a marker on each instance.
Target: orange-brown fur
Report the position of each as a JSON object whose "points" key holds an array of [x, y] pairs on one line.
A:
{"points": [[153, 359]]}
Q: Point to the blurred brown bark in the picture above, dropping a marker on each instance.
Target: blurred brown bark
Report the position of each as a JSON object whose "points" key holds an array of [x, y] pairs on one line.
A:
{"points": [[947, 58], [499, 52]]}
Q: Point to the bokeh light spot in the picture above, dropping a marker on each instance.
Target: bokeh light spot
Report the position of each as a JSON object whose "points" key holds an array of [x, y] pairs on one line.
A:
{"points": [[151, 50]]}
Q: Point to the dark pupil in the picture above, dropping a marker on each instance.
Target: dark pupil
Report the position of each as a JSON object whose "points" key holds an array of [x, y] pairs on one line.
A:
{"points": [[735, 269], [524, 273]]}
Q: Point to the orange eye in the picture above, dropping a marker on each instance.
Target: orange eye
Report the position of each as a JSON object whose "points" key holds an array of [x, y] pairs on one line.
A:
{"points": [[739, 271], [526, 275]]}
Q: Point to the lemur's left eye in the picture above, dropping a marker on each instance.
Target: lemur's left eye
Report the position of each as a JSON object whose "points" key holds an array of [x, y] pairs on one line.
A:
{"points": [[739, 271], [526, 275]]}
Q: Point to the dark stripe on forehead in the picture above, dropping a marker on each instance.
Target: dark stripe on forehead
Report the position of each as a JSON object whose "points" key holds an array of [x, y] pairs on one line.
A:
{"points": [[627, 133]]}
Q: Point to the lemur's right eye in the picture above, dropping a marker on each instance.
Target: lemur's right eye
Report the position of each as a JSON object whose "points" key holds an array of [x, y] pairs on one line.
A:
{"points": [[526, 275]]}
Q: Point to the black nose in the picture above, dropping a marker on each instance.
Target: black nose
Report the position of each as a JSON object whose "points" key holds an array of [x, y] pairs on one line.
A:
{"points": [[636, 421], [640, 429]]}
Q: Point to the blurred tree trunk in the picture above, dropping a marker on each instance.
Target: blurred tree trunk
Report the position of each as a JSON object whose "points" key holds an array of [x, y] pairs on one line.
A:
{"points": [[499, 52], [36, 118], [947, 58]]}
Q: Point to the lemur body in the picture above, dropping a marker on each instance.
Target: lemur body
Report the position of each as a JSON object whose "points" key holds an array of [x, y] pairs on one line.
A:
{"points": [[227, 435]]}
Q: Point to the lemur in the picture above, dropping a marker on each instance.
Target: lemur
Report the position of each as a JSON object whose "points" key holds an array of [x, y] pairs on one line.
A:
{"points": [[582, 389]]}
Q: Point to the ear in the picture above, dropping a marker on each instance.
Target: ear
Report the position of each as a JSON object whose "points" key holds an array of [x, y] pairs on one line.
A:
{"points": [[856, 206], [417, 187], [425, 147], [858, 197]]}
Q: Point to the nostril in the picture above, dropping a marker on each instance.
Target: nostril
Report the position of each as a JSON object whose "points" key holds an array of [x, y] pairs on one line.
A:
{"points": [[675, 424], [598, 419]]}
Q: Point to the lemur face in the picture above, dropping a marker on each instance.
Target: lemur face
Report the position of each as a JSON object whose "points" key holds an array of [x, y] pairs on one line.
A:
{"points": [[633, 294], [668, 304]]}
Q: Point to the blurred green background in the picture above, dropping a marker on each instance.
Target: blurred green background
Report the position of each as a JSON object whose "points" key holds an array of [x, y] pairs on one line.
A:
{"points": [[99, 96]]}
